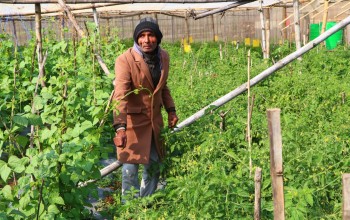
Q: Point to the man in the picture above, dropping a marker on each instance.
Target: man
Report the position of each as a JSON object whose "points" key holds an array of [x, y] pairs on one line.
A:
{"points": [[138, 120]]}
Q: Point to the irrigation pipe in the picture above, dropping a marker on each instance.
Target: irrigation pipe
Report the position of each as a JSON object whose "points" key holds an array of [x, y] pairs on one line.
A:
{"points": [[239, 90]]}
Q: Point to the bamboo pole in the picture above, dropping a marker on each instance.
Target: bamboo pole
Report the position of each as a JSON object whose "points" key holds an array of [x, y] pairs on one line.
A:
{"points": [[96, 19], [39, 43], [62, 27], [15, 32], [187, 28], [326, 9], [248, 116], [325, 16], [257, 200], [215, 11], [297, 24], [71, 17], [212, 26], [220, 51], [267, 33], [283, 30], [110, 1], [263, 35], [276, 167], [302, 17], [104, 172], [293, 14], [48, 11], [346, 196], [278, 65], [82, 34], [342, 12]]}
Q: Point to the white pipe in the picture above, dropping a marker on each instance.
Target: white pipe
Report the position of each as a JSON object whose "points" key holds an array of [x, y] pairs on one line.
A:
{"points": [[239, 90]]}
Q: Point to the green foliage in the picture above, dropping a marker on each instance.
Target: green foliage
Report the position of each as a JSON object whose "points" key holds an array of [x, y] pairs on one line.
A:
{"points": [[207, 170], [68, 141]]}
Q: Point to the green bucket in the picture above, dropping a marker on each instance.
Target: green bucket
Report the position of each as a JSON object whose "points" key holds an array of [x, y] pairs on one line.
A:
{"points": [[335, 38], [315, 30]]}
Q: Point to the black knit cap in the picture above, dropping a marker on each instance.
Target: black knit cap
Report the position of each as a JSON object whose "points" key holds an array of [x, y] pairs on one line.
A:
{"points": [[148, 24]]}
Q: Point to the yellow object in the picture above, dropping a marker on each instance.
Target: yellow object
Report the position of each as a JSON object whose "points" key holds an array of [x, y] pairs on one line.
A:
{"points": [[190, 39], [234, 42], [184, 41], [256, 42], [187, 48], [247, 41], [280, 42], [216, 38]]}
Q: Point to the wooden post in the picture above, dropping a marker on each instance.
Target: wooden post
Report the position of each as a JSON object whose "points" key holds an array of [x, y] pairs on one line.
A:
{"points": [[297, 24], [325, 16], [257, 201], [267, 33], [276, 168], [39, 43], [262, 22], [346, 196]]}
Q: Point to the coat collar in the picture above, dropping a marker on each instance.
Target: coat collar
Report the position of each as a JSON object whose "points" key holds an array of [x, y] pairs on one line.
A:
{"points": [[144, 68]]}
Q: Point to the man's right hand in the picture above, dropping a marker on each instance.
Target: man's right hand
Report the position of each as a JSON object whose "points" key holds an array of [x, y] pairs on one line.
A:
{"points": [[120, 139]]}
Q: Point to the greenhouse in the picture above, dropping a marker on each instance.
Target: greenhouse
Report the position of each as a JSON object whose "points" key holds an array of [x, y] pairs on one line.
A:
{"points": [[181, 109]]}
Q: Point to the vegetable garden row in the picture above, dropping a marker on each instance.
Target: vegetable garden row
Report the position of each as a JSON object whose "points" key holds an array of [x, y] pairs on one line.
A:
{"points": [[207, 169]]}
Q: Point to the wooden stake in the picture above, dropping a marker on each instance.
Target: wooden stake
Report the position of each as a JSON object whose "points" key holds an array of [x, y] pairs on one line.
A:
{"points": [[273, 117], [257, 201], [346, 196], [220, 49], [187, 29]]}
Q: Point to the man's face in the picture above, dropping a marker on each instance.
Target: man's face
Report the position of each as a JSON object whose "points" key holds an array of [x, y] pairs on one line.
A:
{"points": [[147, 41]]}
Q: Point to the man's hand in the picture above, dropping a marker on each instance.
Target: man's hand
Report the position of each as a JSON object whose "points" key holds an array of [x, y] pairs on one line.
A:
{"points": [[120, 139], [172, 119]]}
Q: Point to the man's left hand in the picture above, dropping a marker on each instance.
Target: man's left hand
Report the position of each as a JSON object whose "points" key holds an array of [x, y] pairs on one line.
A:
{"points": [[172, 119]]}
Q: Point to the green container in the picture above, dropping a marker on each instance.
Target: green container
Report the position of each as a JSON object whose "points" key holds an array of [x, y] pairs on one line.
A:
{"points": [[315, 30], [335, 38]]}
